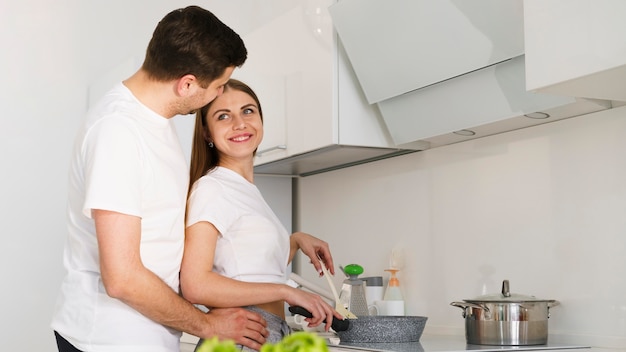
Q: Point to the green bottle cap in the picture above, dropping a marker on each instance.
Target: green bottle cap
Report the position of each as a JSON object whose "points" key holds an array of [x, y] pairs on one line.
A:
{"points": [[353, 269]]}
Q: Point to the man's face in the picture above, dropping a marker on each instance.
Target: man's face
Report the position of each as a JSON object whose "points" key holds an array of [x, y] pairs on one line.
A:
{"points": [[203, 96]]}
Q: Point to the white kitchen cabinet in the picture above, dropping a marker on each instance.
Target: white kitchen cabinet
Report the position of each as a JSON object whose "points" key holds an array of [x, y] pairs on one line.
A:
{"points": [[576, 47], [399, 46], [315, 116], [290, 69]]}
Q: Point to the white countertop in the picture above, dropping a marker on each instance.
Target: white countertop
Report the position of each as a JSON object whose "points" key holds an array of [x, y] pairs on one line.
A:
{"points": [[444, 343], [434, 343]]}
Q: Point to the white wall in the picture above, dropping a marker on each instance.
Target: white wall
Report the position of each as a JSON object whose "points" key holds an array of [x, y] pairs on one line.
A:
{"points": [[542, 207], [52, 52]]}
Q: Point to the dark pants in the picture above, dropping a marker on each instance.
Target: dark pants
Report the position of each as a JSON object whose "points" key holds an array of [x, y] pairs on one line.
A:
{"points": [[63, 345]]}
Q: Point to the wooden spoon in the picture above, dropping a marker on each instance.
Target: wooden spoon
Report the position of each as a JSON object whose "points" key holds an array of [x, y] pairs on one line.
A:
{"points": [[338, 306]]}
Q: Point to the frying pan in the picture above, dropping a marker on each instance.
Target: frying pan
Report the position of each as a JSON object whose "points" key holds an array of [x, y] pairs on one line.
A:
{"points": [[375, 328]]}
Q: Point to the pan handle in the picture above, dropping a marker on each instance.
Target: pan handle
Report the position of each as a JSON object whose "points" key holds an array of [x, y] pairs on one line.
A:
{"points": [[465, 305], [336, 324]]}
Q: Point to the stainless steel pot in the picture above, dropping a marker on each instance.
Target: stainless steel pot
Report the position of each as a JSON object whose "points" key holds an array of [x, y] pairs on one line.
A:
{"points": [[506, 319]]}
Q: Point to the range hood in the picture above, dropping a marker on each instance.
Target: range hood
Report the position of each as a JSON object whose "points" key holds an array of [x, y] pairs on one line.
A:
{"points": [[403, 45], [434, 68], [481, 103]]}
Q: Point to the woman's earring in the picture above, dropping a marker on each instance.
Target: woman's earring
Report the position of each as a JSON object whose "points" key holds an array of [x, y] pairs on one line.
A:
{"points": [[210, 144]]}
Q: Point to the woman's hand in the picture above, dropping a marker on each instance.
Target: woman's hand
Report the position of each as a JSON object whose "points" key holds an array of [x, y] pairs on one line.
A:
{"points": [[313, 248], [315, 304]]}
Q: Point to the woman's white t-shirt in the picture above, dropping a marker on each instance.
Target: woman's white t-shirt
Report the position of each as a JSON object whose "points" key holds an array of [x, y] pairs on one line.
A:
{"points": [[253, 245], [127, 159]]}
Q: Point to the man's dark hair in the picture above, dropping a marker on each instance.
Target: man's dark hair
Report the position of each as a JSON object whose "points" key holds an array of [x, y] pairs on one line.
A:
{"points": [[194, 41]]}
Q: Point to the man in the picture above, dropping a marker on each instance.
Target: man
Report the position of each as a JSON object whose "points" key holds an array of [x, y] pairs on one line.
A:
{"points": [[126, 207]]}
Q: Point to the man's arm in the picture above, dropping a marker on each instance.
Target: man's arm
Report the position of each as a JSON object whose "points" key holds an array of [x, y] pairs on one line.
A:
{"points": [[127, 279]]}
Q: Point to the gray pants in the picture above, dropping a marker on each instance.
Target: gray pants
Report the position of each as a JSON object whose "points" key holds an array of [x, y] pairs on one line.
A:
{"points": [[277, 327]]}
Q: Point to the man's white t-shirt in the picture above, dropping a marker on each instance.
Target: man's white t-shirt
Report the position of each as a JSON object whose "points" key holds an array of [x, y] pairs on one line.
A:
{"points": [[126, 159]]}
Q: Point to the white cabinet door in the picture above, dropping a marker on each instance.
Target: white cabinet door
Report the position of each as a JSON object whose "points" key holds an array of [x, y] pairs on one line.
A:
{"points": [[290, 67], [270, 90], [576, 47], [268, 83]]}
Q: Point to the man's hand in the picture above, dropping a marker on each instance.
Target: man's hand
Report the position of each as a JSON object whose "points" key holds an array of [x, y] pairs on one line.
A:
{"points": [[239, 325]]}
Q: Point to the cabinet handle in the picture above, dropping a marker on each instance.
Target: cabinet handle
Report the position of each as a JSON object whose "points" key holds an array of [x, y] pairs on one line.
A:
{"points": [[261, 152]]}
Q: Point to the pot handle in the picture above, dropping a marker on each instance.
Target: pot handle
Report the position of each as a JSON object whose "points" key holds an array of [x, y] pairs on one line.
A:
{"points": [[552, 304], [464, 305]]}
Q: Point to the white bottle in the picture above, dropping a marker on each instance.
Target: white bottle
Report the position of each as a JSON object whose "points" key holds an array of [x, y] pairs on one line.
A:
{"points": [[374, 289], [393, 302], [393, 292]]}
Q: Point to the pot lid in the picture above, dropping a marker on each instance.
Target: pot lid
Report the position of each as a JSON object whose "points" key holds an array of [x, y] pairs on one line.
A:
{"points": [[506, 296]]}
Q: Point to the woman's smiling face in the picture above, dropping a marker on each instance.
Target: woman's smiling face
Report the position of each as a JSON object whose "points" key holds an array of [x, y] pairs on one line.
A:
{"points": [[235, 126]]}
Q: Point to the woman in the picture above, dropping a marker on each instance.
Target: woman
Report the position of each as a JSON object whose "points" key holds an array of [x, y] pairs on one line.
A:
{"points": [[236, 249]]}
